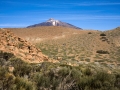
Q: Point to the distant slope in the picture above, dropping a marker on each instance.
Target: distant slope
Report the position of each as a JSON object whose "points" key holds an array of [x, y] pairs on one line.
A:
{"points": [[38, 34], [75, 46], [52, 22]]}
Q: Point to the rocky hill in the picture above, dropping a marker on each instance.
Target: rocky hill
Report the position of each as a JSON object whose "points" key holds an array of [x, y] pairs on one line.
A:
{"points": [[20, 47]]}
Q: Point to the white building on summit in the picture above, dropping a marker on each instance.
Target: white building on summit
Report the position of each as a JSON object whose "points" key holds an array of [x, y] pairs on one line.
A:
{"points": [[53, 21]]}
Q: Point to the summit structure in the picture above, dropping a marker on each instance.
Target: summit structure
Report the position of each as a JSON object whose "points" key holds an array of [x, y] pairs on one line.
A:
{"points": [[53, 21]]}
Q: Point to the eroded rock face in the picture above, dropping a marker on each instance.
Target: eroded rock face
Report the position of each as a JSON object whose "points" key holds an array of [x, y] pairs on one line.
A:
{"points": [[20, 47]]}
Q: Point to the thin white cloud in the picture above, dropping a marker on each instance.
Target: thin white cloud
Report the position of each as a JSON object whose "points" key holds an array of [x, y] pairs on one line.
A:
{"points": [[62, 5], [67, 12], [90, 17], [67, 16], [91, 4], [12, 16], [24, 3], [13, 25]]}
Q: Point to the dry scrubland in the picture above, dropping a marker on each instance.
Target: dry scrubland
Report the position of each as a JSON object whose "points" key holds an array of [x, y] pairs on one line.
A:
{"points": [[73, 46]]}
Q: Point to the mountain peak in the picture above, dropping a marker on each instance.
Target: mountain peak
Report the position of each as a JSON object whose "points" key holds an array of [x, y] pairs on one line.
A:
{"points": [[51, 19], [53, 22]]}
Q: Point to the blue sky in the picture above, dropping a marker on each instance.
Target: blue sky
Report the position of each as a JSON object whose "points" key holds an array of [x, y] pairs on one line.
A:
{"points": [[86, 14]]}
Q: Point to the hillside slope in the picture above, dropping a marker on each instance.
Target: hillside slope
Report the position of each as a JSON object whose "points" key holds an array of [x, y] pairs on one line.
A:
{"points": [[73, 46], [38, 34]]}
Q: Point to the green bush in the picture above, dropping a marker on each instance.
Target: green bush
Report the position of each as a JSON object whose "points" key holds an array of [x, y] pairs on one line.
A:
{"points": [[23, 84], [21, 68], [6, 79]]}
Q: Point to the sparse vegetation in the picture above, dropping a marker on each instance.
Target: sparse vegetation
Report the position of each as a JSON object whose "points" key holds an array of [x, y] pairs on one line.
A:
{"points": [[64, 42]]}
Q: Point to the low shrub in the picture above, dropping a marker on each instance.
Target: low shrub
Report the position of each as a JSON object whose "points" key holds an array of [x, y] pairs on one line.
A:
{"points": [[102, 52], [102, 34]]}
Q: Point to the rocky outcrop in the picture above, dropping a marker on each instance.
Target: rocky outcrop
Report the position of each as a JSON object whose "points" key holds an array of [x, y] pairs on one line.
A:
{"points": [[20, 47]]}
